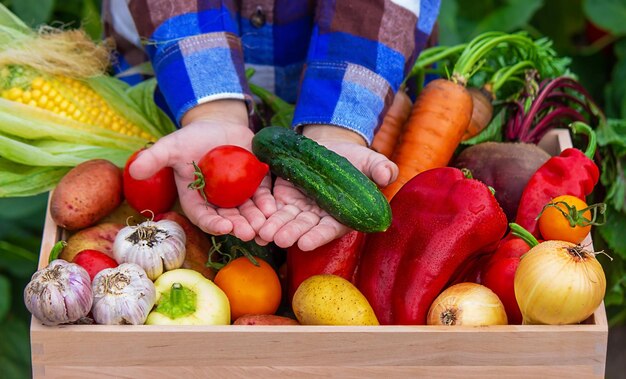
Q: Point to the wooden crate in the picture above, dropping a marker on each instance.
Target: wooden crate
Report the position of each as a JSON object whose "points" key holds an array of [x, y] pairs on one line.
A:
{"points": [[81, 351]]}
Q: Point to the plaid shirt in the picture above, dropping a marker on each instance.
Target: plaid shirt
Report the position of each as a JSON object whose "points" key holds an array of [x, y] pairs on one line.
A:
{"points": [[341, 60]]}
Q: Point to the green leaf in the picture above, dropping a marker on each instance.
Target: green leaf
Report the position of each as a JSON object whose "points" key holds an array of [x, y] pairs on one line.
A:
{"points": [[142, 95], [33, 12], [561, 21], [20, 208], [607, 14], [511, 16], [115, 92], [615, 89], [5, 296], [10, 20], [91, 21], [448, 23], [14, 349], [16, 260], [613, 231]]}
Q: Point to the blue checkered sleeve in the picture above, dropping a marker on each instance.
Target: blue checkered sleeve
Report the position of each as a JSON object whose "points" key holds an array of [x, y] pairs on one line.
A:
{"points": [[197, 57], [356, 62]]}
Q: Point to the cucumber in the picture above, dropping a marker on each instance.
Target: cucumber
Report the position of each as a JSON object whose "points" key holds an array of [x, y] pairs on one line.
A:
{"points": [[331, 180]]}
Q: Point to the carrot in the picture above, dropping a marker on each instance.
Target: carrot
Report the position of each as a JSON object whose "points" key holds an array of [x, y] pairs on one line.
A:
{"points": [[386, 138], [439, 117], [481, 113], [443, 110]]}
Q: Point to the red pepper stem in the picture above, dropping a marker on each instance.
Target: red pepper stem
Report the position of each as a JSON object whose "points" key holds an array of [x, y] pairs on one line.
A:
{"points": [[467, 173], [519, 231], [581, 127]]}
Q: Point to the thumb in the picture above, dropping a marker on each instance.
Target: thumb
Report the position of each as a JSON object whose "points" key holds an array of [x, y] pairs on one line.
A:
{"points": [[380, 169], [151, 160]]}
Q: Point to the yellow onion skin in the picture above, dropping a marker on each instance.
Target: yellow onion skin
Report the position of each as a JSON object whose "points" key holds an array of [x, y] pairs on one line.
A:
{"points": [[558, 282], [468, 304]]}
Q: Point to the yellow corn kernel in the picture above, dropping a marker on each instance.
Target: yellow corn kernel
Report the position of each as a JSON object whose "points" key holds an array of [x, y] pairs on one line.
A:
{"points": [[36, 94], [37, 83], [42, 101], [15, 93], [71, 98]]}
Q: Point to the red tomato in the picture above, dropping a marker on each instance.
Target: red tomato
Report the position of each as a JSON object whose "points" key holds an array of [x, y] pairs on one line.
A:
{"points": [[231, 175], [157, 193], [498, 277], [94, 261]]}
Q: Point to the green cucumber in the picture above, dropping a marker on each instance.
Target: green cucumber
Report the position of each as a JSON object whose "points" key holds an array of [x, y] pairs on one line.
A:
{"points": [[331, 180]]}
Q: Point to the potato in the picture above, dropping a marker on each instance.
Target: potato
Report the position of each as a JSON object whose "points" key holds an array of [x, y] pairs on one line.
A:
{"points": [[331, 300], [124, 214], [98, 237], [87, 193], [197, 244], [265, 320]]}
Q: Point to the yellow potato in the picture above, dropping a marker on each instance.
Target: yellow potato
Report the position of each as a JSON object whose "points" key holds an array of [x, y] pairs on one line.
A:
{"points": [[331, 300], [98, 237]]}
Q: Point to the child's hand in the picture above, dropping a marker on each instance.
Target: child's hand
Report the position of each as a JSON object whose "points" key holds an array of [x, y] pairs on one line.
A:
{"points": [[298, 218], [220, 123]]}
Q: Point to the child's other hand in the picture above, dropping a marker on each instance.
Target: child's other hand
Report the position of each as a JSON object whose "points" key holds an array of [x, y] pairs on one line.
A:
{"points": [[221, 122], [298, 218]]}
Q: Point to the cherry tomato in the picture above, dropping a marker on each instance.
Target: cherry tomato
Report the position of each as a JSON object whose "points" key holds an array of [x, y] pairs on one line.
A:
{"points": [[250, 289], [157, 193], [94, 261], [229, 175], [554, 222]]}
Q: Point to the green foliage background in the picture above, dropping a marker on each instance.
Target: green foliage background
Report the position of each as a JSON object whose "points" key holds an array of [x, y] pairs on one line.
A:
{"points": [[600, 65]]}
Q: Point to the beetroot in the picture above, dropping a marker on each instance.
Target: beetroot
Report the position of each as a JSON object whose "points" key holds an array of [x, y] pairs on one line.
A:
{"points": [[505, 166]]}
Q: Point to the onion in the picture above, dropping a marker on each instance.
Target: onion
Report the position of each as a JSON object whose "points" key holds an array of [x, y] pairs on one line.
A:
{"points": [[467, 304], [558, 282]]}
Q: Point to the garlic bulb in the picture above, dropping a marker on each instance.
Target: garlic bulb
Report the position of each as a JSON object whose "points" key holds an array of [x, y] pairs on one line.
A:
{"points": [[59, 293], [123, 295], [155, 246]]}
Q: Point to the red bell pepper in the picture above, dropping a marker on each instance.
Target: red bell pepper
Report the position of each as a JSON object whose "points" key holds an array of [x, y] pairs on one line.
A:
{"points": [[570, 173], [441, 220], [339, 257], [499, 273]]}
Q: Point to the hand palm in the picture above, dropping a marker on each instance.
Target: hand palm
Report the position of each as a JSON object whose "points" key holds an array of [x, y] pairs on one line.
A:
{"points": [[179, 149], [299, 219]]}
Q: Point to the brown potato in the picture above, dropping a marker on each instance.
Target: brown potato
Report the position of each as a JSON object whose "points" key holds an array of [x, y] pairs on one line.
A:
{"points": [[197, 244], [87, 193], [265, 320], [98, 237]]}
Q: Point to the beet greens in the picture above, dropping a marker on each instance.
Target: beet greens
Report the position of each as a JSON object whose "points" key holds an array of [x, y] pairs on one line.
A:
{"points": [[553, 103]]}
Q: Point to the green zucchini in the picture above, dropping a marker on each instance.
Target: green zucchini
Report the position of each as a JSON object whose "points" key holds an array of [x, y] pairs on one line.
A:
{"points": [[331, 180]]}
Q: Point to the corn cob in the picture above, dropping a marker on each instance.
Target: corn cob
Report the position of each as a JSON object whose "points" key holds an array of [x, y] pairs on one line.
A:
{"points": [[73, 99]]}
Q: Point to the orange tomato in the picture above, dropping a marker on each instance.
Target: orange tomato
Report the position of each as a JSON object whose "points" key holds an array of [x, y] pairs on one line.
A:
{"points": [[250, 289], [554, 221]]}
